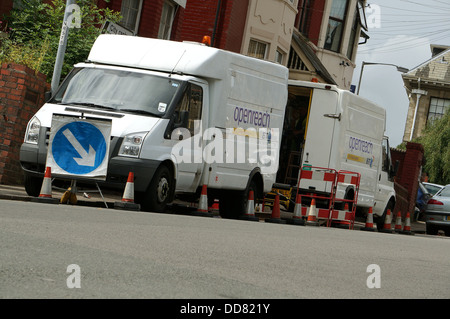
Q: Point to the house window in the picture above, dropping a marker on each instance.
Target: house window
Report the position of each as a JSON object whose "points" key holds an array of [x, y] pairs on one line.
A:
{"points": [[305, 16], [167, 16], [352, 40], [257, 49], [279, 56], [336, 23], [438, 107], [131, 12]]}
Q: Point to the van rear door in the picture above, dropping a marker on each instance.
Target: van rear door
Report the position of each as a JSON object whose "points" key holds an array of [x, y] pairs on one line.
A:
{"points": [[320, 126], [322, 117]]}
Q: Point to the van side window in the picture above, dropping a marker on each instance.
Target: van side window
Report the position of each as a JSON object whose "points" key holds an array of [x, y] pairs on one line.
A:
{"points": [[190, 106], [385, 156]]}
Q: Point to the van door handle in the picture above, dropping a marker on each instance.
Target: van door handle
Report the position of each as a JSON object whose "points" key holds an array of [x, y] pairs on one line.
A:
{"points": [[333, 116]]}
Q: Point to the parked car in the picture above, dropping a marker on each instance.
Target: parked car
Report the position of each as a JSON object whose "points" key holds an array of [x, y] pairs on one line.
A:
{"points": [[437, 213], [432, 188]]}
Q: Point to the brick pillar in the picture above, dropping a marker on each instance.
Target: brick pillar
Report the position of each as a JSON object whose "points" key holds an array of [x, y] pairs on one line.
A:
{"points": [[411, 171], [21, 95]]}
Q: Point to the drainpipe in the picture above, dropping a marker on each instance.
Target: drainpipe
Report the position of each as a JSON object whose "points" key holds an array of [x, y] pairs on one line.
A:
{"points": [[418, 93], [219, 3]]}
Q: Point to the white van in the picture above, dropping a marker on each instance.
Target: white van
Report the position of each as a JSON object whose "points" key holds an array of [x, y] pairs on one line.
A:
{"points": [[342, 131], [168, 100]]}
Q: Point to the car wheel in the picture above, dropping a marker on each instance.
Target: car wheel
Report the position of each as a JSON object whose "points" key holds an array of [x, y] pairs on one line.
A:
{"points": [[431, 229], [159, 191]]}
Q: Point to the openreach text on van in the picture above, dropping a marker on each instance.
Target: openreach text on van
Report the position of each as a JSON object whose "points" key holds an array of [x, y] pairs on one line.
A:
{"points": [[236, 145]]}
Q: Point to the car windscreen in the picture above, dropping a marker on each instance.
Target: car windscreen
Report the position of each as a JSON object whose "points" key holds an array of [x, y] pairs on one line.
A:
{"points": [[119, 90], [445, 192]]}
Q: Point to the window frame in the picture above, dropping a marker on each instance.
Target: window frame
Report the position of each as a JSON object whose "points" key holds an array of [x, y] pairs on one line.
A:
{"points": [[435, 115], [341, 23], [255, 53], [166, 22], [138, 15]]}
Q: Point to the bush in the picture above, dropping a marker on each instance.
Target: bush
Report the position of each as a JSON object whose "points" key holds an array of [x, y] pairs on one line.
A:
{"points": [[33, 31]]}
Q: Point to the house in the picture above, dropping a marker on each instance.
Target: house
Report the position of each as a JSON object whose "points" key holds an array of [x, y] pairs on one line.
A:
{"points": [[314, 38], [428, 87]]}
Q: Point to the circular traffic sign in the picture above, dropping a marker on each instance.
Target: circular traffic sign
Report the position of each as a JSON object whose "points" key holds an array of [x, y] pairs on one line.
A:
{"points": [[79, 148]]}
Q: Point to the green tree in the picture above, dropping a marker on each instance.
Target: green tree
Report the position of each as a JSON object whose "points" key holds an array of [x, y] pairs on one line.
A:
{"points": [[436, 142], [34, 30]]}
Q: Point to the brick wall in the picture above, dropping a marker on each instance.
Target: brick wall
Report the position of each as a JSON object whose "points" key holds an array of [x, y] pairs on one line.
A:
{"points": [[407, 179], [5, 7], [195, 21], [21, 95]]}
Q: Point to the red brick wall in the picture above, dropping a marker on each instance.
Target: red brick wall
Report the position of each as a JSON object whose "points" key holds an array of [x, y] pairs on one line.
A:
{"points": [[5, 7], [233, 20], [195, 21], [21, 95], [408, 174], [314, 19]]}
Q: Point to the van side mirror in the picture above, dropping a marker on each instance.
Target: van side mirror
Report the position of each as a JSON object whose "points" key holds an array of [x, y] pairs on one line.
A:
{"points": [[183, 119], [178, 120], [47, 96]]}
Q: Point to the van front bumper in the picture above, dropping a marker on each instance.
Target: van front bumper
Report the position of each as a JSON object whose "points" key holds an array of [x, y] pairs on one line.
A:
{"points": [[33, 159]]}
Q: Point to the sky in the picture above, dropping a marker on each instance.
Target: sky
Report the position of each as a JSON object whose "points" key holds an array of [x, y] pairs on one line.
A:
{"points": [[401, 32]]}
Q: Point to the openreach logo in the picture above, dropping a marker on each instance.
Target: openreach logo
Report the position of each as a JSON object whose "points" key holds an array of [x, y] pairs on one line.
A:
{"points": [[231, 146]]}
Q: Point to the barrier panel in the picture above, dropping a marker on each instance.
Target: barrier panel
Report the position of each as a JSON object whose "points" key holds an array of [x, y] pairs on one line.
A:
{"points": [[345, 217], [321, 174]]}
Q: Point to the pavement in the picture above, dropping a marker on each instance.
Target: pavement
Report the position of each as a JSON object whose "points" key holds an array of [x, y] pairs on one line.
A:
{"points": [[107, 199]]}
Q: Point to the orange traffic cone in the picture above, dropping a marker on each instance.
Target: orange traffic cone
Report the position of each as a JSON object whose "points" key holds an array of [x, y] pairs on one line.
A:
{"points": [[250, 214], [297, 218], [369, 221], [46, 189], [275, 218], [202, 209], [312, 214], [407, 229], [398, 222], [45, 194], [387, 223], [127, 202]]}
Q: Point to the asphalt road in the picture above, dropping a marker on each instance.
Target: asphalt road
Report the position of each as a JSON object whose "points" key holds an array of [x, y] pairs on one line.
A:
{"points": [[123, 254]]}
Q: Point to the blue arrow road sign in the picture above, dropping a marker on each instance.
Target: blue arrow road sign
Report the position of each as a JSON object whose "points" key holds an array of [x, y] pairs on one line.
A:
{"points": [[79, 148]]}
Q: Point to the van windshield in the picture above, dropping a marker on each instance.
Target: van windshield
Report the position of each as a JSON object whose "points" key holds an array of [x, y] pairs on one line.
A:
{"points": [[126, 91]]}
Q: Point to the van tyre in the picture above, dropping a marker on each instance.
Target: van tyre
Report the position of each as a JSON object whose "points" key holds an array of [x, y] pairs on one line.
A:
{"points": [[382, 219], [233, 204], [33, 185], [159, 191]]}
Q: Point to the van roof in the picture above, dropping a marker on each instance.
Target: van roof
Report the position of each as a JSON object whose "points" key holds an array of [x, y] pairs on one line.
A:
{"points": [[177, 57]]}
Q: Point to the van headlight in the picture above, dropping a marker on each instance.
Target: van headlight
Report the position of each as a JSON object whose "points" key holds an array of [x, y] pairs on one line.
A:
{"points": [[131, 145], [32, 132]]}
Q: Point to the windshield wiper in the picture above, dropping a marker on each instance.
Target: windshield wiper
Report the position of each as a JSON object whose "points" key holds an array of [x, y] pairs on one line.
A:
{"points": [[138, 111], [89, 104]]}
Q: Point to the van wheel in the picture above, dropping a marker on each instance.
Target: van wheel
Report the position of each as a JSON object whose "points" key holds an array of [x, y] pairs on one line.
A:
{"points": [[381, 220], [33, 185], [233, 204], [158, 193]]}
